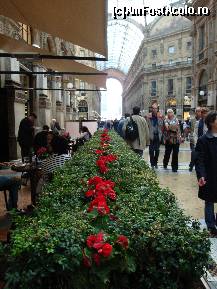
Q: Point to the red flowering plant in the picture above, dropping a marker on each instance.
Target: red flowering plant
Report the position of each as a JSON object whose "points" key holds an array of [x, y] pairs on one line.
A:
{"points": [[103, 161], [100, 248], [42, 153], [100, 191]]}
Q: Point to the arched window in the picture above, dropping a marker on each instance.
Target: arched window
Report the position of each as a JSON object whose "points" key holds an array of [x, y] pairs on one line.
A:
{"points": [[83, 103]]}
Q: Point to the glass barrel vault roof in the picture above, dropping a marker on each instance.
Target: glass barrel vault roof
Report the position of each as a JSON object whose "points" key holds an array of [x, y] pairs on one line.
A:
{"points": [[124, 37]]}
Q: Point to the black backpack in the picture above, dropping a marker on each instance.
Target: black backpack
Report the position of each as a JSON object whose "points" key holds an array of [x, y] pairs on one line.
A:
{"points": [[132, 132]]}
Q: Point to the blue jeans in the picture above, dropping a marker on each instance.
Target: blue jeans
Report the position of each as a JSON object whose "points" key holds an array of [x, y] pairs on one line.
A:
{"points": [[210, 215], [12, 185]]}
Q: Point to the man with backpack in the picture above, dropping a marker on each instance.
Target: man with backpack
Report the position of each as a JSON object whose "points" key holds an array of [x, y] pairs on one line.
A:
{"points": [[136, 132]]}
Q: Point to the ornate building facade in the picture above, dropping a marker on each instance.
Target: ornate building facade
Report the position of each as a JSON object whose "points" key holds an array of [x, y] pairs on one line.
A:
{"points": [[162, 69], [46, 103], [204, 32]]}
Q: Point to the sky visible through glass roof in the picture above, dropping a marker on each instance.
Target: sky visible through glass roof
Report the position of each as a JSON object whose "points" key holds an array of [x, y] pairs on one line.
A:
{"points": [[124, 37]]}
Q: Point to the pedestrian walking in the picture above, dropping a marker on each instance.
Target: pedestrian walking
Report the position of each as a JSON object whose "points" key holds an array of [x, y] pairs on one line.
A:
{"points": [[55, 127], [121, 124], [26, 135], [136, 132], [200, 126], [155, 123], [206, 168], [194, 122], [187, 128], [115, 124], [172, 140]]}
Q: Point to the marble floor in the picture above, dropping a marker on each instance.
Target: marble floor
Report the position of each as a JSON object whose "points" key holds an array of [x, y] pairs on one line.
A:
{"points": [[184, 186], [183, 183]]}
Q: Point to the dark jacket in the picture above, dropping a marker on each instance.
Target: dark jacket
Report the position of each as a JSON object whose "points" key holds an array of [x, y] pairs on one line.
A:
{"points": [[206, 166], [26, 133]]}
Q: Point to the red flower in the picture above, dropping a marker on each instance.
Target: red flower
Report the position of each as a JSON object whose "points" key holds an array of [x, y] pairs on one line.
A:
{"points": [[100, 204], [94, 181], [99, 152], [99, 241], [123, 241], [106, 250], [95, 241], [103, 169], [109, 183], [41, 151], [96, 259], [112, 195], [86, 262], [90, 241], [90, 193]]}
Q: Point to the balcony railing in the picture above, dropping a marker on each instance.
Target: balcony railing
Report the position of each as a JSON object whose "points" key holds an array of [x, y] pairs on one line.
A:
{"points": [[168, 66]]}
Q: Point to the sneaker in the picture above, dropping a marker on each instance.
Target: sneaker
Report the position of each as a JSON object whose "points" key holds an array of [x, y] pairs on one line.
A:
{"points": [[213, 231], [165, 167], [174, 170], [156, 167]]}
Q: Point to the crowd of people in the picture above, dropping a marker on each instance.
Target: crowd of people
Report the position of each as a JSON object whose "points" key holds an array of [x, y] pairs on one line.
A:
{"points": [[51, 147], [200, 130]]}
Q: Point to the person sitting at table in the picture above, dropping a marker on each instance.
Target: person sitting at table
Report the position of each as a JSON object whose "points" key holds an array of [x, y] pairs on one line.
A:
{"points": [[53, 162], [12, 184], [85, 134], [40, 139]]}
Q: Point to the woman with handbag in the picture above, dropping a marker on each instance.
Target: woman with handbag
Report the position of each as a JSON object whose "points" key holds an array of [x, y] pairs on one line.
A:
{"points": [[172, 138]]}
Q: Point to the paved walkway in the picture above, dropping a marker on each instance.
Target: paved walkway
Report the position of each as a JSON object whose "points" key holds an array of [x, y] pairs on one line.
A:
{"points": [[183, 183], [184, 186]]}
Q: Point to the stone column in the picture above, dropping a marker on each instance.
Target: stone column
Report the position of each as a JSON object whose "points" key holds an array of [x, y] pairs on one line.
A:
{"points": [[12, 111]]}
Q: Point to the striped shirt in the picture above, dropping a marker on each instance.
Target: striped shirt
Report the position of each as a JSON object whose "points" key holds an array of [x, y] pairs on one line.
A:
{"points": [[53, 162]]}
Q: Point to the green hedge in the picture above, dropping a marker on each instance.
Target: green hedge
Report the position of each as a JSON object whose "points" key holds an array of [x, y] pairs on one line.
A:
{"points": [[166, 250]]}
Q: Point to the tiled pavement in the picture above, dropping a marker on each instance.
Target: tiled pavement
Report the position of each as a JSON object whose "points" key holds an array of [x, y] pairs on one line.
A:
{"points": [[184, 185]]}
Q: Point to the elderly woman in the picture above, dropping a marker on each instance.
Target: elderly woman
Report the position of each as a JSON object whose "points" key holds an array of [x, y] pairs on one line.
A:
{"points": [[172, 138], [206, 168]]}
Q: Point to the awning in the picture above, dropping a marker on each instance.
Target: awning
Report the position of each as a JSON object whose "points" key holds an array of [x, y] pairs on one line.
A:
{"points": [[71, 66], [82, 22], [12, 45]]}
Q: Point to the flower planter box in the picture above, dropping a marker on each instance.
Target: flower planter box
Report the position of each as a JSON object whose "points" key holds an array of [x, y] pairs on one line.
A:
{"points": [[137, 231]]}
